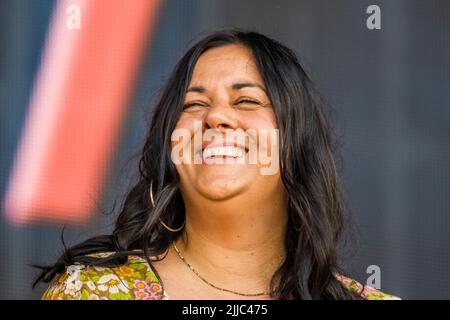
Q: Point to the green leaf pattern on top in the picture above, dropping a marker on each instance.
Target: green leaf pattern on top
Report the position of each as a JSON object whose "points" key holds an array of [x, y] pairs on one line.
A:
{"points": [[136, 280]]}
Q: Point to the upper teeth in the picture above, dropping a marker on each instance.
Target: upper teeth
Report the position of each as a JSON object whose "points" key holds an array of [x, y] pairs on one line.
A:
{"points": [[228, 151]]}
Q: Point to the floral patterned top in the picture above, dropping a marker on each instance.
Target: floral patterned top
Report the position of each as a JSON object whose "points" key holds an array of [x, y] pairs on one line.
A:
{"points": [[136, 280]]}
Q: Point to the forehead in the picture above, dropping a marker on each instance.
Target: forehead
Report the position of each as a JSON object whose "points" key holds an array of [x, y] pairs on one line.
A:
{"points": [[229, 61]]}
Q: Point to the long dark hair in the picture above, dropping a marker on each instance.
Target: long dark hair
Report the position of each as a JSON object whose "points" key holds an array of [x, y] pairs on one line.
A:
{"points": [[315, 203]]}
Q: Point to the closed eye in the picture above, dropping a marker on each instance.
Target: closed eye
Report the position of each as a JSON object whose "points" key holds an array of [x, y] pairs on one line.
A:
{"points": [[248, 101], [193, 104], [248, 104], [240, 103]]}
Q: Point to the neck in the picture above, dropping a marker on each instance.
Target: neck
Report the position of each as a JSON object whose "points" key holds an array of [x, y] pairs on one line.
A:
{"points": [[235, 248]]}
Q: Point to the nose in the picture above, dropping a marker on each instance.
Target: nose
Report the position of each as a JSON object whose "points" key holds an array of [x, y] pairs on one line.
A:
{"points": [[221, 117]]}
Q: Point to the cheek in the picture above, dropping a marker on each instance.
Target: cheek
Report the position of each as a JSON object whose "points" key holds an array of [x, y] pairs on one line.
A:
{"points": [[262, 120], [185, 124], [182, 141], [267, 139]]}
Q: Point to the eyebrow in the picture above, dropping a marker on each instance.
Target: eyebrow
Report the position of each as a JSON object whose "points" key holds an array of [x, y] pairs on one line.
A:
{"points": [[238, 86], [199, 89], [234, 86]]}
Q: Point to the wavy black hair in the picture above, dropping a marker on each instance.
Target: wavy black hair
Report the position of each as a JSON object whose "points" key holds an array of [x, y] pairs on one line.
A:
{"points": [[316, 210]]}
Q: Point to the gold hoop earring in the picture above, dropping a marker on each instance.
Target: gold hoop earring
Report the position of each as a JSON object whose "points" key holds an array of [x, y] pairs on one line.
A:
{"points": [[160, 220]]}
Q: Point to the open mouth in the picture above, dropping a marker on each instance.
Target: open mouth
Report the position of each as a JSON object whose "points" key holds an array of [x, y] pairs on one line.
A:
{"points": [[222, 154]]}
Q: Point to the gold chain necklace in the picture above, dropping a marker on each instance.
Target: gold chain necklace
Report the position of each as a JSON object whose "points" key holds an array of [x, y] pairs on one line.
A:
{"points": [[212, 285]]}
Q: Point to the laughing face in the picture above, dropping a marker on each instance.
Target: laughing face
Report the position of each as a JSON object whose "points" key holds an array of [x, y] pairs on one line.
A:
{"points": [[226, 114]]}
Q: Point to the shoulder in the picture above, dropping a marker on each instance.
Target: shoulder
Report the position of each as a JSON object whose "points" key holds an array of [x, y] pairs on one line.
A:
{"points": [[366, 292], [132, 280]]}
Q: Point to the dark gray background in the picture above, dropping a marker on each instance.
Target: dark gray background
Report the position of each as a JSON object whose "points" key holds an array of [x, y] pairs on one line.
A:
{"points": [[390, 90]]}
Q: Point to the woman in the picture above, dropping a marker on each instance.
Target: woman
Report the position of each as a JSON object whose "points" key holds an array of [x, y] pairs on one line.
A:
{"points": [[219, 229]]}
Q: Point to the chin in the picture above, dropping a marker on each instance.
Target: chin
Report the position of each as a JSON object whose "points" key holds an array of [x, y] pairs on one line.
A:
{"points": [[221, 190]]}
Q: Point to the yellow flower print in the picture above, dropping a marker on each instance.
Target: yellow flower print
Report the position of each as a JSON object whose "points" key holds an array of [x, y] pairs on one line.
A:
{"points": [[124, 272]]}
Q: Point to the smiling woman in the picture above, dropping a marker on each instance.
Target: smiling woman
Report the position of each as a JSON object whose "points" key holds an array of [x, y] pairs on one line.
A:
{"points": [[220, 229]]}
